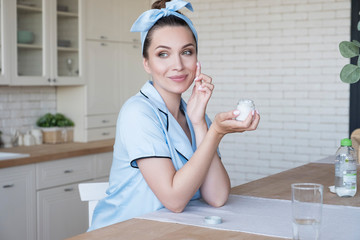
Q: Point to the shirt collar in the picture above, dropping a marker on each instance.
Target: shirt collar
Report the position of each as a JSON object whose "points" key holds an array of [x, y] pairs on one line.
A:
{"points": [[150, 92]]}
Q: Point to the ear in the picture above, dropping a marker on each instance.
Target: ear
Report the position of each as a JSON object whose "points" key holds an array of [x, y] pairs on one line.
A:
{"points": [[146, 65]]}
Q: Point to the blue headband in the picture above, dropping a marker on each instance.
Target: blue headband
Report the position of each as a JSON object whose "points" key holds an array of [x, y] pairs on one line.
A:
{"points": [[146, 20]]}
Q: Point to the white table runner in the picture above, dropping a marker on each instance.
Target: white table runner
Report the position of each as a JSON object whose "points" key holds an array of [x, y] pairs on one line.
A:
{"points": [[262, 216]]}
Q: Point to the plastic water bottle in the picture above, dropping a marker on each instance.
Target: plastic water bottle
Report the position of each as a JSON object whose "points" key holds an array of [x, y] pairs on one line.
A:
{"points": [[345, 169]]}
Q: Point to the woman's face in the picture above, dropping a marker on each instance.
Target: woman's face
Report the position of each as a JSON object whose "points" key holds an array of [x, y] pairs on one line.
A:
{"points": [[172, 59]]}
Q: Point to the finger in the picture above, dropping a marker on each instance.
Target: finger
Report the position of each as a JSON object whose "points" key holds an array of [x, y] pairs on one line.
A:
{"points": [[228, 115], [198, 71], [246, 123], [255, 122], [205, 86]]}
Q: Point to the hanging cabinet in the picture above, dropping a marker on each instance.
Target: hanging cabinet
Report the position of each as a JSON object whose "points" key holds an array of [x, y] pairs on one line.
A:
{"points": [[46, 42], [4, 44]]}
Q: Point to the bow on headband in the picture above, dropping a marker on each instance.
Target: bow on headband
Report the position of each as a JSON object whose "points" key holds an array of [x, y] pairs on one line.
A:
{"points": [[146, 20]]}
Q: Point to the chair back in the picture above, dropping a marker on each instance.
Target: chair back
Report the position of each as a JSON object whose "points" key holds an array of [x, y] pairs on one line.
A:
{"points": [[92, 193]]}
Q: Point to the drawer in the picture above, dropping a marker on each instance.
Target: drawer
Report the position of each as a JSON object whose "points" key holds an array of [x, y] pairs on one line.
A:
{"points": [[101, 133], [64, 171], [103, 164], [101, 121]]}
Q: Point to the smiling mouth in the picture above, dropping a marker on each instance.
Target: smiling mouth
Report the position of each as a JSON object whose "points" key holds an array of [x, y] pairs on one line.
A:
{"points": [[179, 78]]}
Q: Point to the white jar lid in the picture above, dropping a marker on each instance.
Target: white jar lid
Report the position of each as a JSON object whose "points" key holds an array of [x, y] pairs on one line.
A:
{"points": [[213, 219]]}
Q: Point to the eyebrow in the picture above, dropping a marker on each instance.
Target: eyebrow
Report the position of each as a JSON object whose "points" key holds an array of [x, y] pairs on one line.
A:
{"points": [[166, 47]]}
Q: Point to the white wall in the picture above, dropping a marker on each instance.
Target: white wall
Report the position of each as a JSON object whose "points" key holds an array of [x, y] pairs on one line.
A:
{"points": [[284, 55]]}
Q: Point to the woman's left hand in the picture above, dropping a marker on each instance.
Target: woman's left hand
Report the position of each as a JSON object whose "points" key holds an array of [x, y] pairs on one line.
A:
{"points": [[200, 96]]}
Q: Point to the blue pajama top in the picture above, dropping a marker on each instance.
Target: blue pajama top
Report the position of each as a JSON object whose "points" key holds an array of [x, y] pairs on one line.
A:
{"points": [[145, 129]]}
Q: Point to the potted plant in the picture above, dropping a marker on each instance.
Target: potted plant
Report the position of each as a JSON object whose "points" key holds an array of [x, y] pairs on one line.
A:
{"points": [[56, 128], [350, 72]]}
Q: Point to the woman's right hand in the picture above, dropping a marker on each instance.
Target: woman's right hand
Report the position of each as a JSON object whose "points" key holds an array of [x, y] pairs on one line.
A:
{"points": [[225, 122]]}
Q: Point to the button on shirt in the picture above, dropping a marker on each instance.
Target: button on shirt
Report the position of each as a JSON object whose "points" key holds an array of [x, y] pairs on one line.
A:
{"points": [[145, 129]]}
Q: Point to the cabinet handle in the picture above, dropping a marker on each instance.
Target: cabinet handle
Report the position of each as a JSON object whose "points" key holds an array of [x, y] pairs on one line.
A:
{"points": [[68, 189], [8, 186], [105, 133], [102, 37], [68, 171], [54, 80], [49, 79], [103, 44], [105, 121]]}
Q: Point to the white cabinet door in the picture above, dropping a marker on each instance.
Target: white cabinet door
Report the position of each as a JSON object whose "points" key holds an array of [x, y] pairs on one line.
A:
{"points": [[131, 70], [102, 18], [61, 213], [130, 11], [17, 203], [102, 73], [103, 164], [116, 19], [4, 44]]}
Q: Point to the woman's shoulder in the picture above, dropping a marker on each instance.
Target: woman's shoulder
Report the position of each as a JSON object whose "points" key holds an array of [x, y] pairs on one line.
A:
{"points": [[137, 105]]}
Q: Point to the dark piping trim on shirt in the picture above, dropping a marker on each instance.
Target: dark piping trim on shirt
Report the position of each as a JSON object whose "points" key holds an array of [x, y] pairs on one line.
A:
{"points": [[131, 163]]}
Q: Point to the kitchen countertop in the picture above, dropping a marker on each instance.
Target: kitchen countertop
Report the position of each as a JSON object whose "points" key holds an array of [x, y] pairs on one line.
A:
{"points": [[49, 152]]}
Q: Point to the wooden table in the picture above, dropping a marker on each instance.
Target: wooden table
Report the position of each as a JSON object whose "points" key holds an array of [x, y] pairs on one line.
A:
{"points": [[275, 186]]}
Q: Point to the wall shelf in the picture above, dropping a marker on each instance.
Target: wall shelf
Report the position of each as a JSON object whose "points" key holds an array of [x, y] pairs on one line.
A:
{"points": [[23, 8], [29, 46], [67, 49], [67, 14]]}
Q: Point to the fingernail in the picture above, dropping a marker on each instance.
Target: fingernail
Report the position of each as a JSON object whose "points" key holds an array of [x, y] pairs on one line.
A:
{"points": [[236, 112], [200, 88], [196, 78], [253, 112], [257, 112], [198, 63]]}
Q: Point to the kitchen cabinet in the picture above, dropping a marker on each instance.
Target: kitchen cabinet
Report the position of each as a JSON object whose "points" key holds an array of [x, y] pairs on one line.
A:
{"points": [[18, 203], [115, 74], [45, 42], [113, 70], [116, 21], [103, 80], [41, 201], [4, 44], [60, 212]]}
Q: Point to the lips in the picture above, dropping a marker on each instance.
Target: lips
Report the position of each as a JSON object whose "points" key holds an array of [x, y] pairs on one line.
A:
{"points": [[178, 78]]}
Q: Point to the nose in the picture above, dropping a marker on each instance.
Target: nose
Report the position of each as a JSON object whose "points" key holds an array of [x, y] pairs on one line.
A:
{"points": [[178, 63]]}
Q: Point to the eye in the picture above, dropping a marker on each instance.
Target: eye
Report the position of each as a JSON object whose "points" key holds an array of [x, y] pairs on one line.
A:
{"points": [[163, 54], [187, 52]]}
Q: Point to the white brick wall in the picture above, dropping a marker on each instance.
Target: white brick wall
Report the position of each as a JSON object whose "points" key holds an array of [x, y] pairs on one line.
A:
{"points": [[20, 107], [284, 55]]}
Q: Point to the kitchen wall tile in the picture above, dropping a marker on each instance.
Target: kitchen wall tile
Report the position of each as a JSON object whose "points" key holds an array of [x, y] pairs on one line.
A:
{"points": [[22, 106]]}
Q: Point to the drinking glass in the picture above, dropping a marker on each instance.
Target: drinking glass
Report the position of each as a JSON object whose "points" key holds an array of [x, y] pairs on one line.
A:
{"points": [[307, 199]]}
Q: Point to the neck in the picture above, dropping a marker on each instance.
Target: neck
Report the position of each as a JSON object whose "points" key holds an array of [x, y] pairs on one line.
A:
{"points": [[173, 104], [172, 101]]}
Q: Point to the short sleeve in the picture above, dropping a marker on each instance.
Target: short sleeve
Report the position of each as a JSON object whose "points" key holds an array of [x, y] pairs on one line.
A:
{"points": [[141, 132]]}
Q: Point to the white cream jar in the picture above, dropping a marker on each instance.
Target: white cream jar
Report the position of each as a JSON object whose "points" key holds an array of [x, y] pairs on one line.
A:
{"points": [[245, 106]]}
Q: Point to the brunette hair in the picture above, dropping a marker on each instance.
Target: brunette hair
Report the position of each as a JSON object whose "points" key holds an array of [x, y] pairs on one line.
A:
{"points": [[170, 20]]}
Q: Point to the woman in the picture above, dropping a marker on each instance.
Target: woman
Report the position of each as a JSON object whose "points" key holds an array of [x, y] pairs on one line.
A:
{"points": [[165, 151]]}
